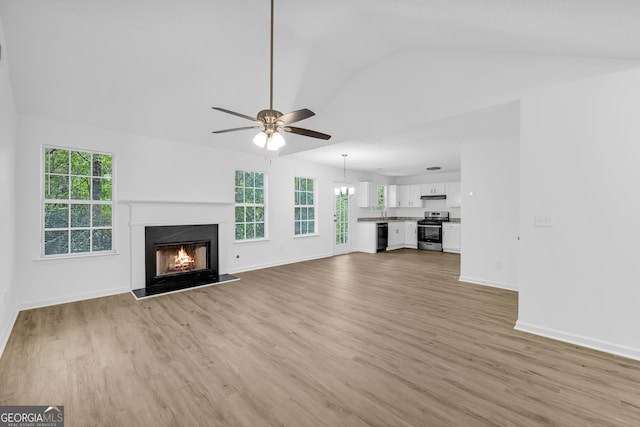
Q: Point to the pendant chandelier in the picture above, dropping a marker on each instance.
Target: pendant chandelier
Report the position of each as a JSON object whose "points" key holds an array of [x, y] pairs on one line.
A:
{"points": [[345, 189]]}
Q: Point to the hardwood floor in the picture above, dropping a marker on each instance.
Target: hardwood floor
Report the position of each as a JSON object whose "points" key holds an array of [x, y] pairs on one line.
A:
{"points": [[388, 339]]}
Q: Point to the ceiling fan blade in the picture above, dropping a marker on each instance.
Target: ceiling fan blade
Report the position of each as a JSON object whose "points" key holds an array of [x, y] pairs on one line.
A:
{"points": [[306, 132], [244, 116], [296, 116], [236, 129]]}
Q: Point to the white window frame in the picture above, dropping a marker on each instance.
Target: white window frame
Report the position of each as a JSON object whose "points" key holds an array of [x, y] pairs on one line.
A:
{"points": [[254, 205], [69, 201], [302, 194]]}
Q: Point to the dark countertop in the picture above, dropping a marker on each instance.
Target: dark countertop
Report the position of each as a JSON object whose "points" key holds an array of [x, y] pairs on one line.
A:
{"points": [[390, 219]]}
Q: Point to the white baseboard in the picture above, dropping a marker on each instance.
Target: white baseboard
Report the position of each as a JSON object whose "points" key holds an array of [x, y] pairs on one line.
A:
{"points": [[73, 298], [278, 263], [592, 343], [4, 338], [475, 281]]}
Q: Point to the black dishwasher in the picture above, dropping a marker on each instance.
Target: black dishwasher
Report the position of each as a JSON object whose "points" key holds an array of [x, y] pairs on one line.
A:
{"points": [[383, 236]]}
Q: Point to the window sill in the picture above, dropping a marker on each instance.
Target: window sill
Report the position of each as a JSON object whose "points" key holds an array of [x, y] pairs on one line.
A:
{"points": [[265, 239], [76, 257], [302, 236]]}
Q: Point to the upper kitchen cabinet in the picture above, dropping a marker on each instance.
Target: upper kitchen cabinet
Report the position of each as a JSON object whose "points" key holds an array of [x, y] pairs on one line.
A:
{"points": [[437, 189], [454, 199], [409, 196], [391, 197], [367, 193]]}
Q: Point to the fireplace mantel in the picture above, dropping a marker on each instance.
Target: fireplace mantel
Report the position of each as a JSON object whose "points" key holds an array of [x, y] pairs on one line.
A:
{"points": [[144, 213]]}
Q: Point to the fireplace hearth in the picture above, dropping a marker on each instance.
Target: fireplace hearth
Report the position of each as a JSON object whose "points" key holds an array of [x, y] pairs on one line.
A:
{"points": [[179, 257]]}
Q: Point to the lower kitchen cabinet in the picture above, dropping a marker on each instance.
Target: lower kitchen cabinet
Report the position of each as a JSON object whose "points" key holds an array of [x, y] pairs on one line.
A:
{"points": [[411, 234], [396, 235], [451, 237]]}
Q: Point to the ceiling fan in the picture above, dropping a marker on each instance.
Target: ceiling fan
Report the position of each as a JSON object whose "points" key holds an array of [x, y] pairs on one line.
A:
{"points": [[272, 121]]}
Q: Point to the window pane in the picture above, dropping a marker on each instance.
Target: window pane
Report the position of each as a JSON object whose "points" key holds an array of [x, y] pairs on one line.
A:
{"points": [[296, 213], [101, 215], [310, 198], [303, 184], [312, 226], [303, 213], [102, 165], [311, 213], [56, 215], [239, 195], [56, 242], [80, 163], [259, 214], [250, 231], [56, 187], [102, 189], [239, 179], [297, 227], [259, 183], [303, 230], [102, 240], [80, 241], [296, 183], [303, 198], [250, 214], [259, 196], [309, 184], [56, 161], [80, 217], [80, 188], [249, 179], [240, 232], [260, 230], [239, 214], [249, 195]]}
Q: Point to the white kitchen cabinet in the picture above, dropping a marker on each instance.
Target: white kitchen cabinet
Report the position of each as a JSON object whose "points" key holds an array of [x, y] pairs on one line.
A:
{"points": [[411, 234], [396, 235], [367, 194], [391, 198], [436, 189], [454, 199], [451, 237], [367, 236], [409, 196]]}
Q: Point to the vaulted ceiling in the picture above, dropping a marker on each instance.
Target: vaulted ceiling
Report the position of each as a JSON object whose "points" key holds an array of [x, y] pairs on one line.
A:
{"points": [[399, 84]]}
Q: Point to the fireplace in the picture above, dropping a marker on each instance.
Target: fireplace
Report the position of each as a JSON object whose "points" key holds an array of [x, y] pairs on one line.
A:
{"points": [[180, 256]]}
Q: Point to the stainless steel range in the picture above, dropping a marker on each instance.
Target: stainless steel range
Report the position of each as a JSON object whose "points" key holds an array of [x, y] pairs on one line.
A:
{"points": [[430, 230]]}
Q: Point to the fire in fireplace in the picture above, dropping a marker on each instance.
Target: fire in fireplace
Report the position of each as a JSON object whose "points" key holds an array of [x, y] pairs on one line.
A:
{"points": [[181, 256]]}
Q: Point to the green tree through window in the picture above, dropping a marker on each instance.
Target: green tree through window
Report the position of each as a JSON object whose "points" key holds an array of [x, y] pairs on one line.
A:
{"points": [[304, 206], [77, 202], [250, 205]]}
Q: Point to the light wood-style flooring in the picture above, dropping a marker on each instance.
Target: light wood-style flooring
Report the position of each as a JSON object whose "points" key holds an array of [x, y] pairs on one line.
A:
{"points": [[388, 339]]}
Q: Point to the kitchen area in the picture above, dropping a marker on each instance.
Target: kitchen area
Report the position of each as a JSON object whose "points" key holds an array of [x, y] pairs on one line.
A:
{"points": [[416, 216]]}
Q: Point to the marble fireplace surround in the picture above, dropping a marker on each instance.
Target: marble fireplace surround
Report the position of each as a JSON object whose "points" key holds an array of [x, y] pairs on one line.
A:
{"points": [[145, 213]]}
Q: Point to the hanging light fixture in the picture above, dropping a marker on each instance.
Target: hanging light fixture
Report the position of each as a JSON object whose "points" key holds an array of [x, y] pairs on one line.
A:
{"points": [[344, 189]]}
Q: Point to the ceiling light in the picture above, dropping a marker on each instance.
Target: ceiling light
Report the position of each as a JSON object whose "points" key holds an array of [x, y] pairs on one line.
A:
{"points": [[344, 189]]}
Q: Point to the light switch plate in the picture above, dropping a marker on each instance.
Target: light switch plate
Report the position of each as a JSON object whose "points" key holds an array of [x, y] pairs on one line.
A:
{"points": [[543, 220]]}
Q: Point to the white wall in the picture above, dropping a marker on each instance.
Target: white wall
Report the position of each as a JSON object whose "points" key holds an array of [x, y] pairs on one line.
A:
{"points": [[489, 226], [8, 142], [580, 151], [152, 169]]}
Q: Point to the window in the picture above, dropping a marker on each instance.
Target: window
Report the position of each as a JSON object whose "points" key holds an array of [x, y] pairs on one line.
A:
{"points": [[77, 202], [304, 206], [342, 219], [250, 205]]}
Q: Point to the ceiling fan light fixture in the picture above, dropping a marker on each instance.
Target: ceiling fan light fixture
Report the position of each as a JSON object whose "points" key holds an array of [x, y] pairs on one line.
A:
{"points": [[275, 141], [260, 139]]}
